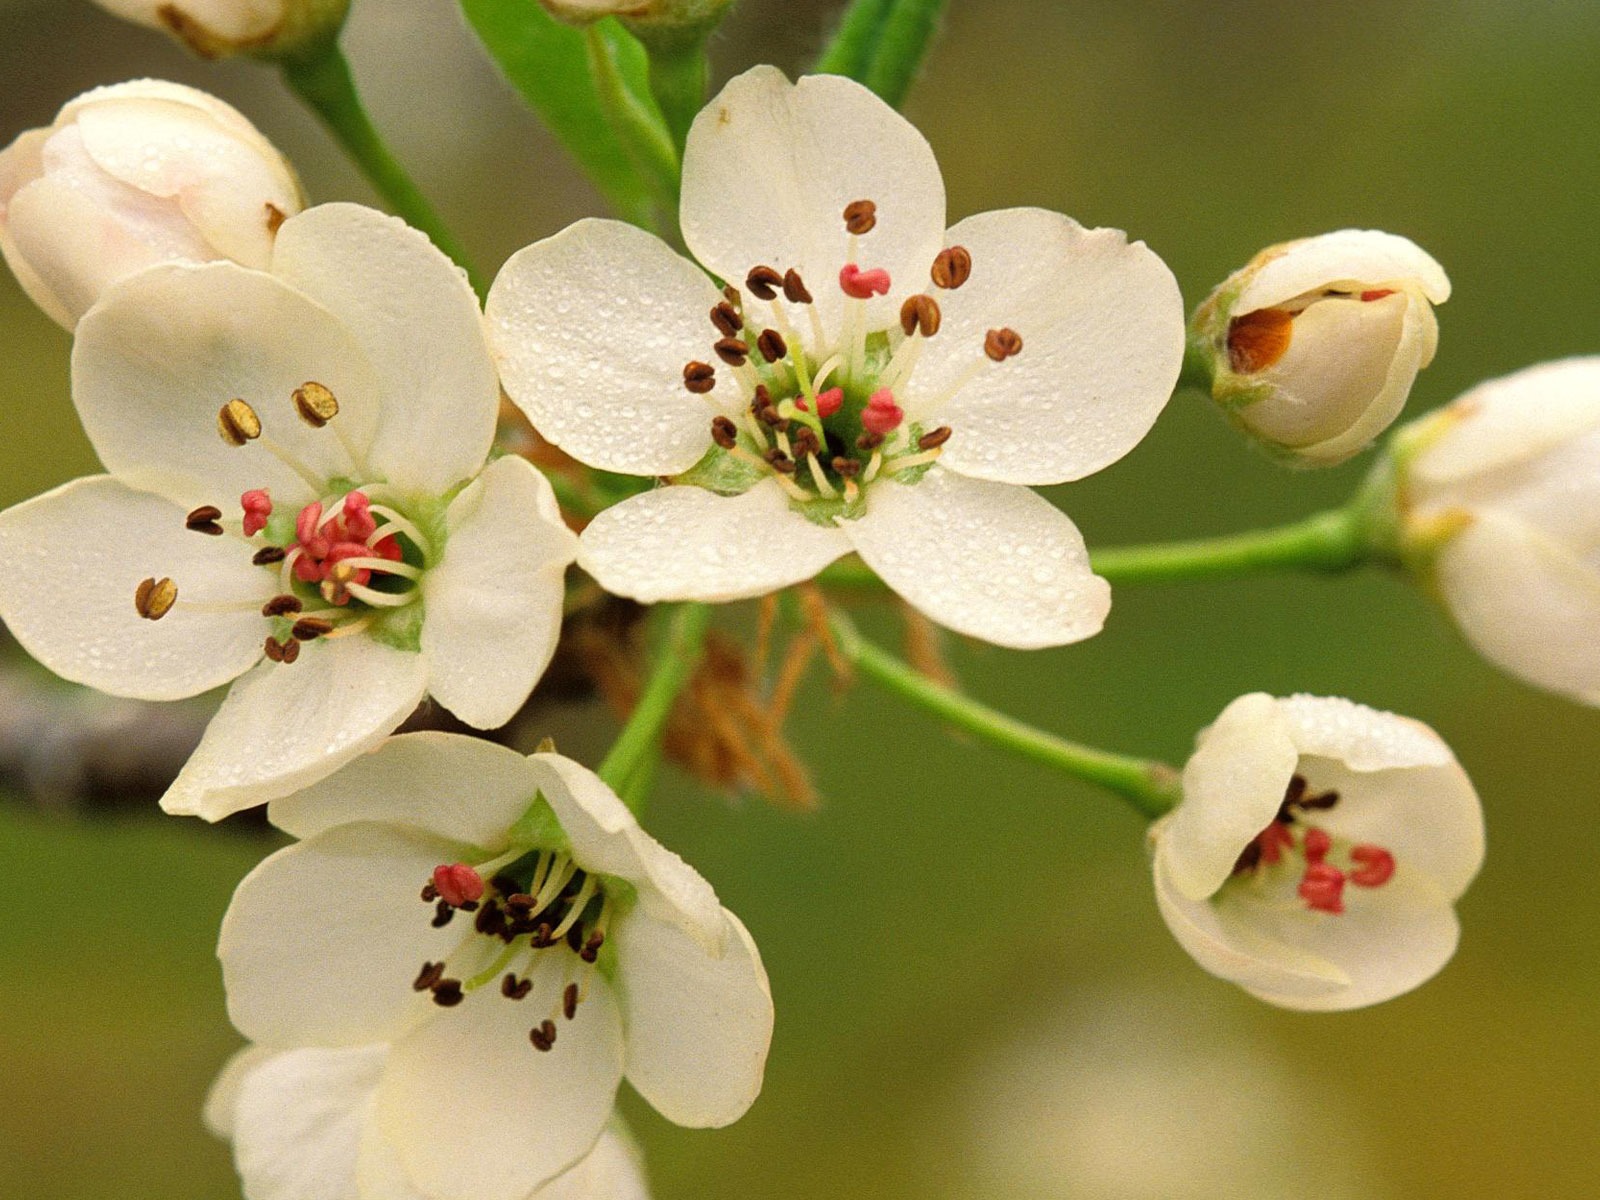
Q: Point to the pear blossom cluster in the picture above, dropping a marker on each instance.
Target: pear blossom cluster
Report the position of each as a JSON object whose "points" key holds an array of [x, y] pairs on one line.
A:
{"points": [[464, 950]]}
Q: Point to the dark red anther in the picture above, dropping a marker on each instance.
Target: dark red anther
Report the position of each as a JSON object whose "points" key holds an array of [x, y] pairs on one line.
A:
{"points": [[1322, 888], [1376, 865], [458, 884]]}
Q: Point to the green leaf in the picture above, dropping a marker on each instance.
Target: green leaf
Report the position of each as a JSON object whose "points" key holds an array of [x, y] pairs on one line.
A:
{"points": [[548, 63]]}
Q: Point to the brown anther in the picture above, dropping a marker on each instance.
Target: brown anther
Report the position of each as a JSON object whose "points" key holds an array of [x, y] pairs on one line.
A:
{"points": [[273, 650], [541, 936], [724, 432], [772, 346], [732, 351], [732, 296], [291, 650], [204, 520], [569, 1001], [154, 598], [443, 914], [282, 606], [315, 404], [309, 629], [275, 217], [794, 288], [591, 948], [699, 377], [491, 920], [447, 993], [543, 1036], [773, 419], [519, 904], [429, 893], [934, 438], [861, 217], [920, 314], [513, 988], [1258, 339], [952, 268], [1001, 344], [869, 441], [237, 423], [846, 468], [806, 442], [430, 976], [727, 320], [764, 282], [268, 555], [779, 462]]}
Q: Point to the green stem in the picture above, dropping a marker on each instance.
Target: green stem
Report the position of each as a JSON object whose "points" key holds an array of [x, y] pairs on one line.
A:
{"points": [[680, 76], [1151, 787], [907, 35], [324, 82], [850, 52], [643, 133], [639, 743]]}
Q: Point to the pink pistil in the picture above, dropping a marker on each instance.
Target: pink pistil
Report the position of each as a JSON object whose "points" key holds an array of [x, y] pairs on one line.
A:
{"points": [[257, 505], [457, 884], [1274, 840], [1322, 888], [882, 414], [863, 285], [828, 403], [323, 544], [1377, 865], [1368, 297], [1317, 845]]}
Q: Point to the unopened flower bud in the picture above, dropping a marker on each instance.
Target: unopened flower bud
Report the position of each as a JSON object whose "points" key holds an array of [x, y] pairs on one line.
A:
{"points": [[642, 14], [1498, 508], [131, 176], [1312, 348], [271, 29]]}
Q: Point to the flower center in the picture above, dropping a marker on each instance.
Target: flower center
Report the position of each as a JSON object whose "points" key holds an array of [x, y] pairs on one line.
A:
{"points": [[821, 409], [342, 563], [1322, 883], [525, 906]]}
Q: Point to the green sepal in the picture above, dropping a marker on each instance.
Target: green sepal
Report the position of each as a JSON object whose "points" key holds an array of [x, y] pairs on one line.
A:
{"points": [[720, 471], [400, 628], [538, 828]]}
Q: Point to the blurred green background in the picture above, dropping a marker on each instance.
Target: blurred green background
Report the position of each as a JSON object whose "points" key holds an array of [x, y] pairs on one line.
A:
{"points": [[976, 996]]}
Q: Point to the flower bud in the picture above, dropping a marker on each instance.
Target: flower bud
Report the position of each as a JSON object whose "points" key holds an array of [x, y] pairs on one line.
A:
{"points": [[1312, 347], [272, 29], [131, 176], [645, 14], [1499, 507]]}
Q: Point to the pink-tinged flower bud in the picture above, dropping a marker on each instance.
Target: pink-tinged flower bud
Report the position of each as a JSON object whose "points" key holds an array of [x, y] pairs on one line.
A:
{"points": [[269, 29], [1312, 348], [457, 884], [131, 176]]}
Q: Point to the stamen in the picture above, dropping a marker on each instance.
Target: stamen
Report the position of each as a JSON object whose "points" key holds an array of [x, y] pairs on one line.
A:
{"points": [[861, 217], [763, 282], [285, 651], [381, 599], [1376, 865], [848, 468], [569, 1001], [780, 462], [920, 314], [576, 907], [794, 288], [732, 351], [204, 520], [308, 629], [257, 505], [591, 948], [282, 606], [447, 993], [543, 1036], [268, 555], [732, 296], [315, 404], [397, 523], [772, 346], [724, 432], [863, 285], [1001, 344], [933, 439], [951, 268], [513, 988], [699, 377], [237, 423], [823, 486], [154, 598], [431, 975], [727, 320]]}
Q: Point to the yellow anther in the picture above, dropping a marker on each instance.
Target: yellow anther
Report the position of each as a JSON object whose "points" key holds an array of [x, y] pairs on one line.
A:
{"points": [[154, 598], [315, 404], [237, 423]]}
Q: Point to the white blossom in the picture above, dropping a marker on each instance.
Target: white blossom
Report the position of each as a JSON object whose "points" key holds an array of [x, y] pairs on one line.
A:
{"points": [[298, 500], [873, 382], [505, 926], [130, 176], [217, 28], [1318, 852], [1315, 344], [1500, 494], [304, 1126]]}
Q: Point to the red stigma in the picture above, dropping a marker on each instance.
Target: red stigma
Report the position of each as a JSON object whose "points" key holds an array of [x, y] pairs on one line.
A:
{"points": [[863, 285], [1274, 840], [882, 414], [1376, 865], [829, 402], [1317, 845], [257, 505], [326, 543], [1322, 888], [457, 884], [1368, 297]]}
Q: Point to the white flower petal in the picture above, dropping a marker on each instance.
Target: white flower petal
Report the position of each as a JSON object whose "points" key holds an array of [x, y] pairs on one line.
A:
{"points": [[301, 1119], [1354, 256], [1556, 492], [1362, 738], [770, 166], [494, 600], [414, 313], [685, 543], [699, 1026], [21, 163], [613, 1170], [592, 329], [1526, 602], [460, 789], [164, 350], [380, 1175], [323, 939], [1102, 327], [474, 1110], [222, 1100], [233, 20], [74, 558], [989, 560], [606, 837], [1511, 420], [284, 726]]}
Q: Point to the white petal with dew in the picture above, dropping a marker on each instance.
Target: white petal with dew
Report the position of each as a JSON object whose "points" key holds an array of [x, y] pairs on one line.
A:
{"points": [[1367, 257]]}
